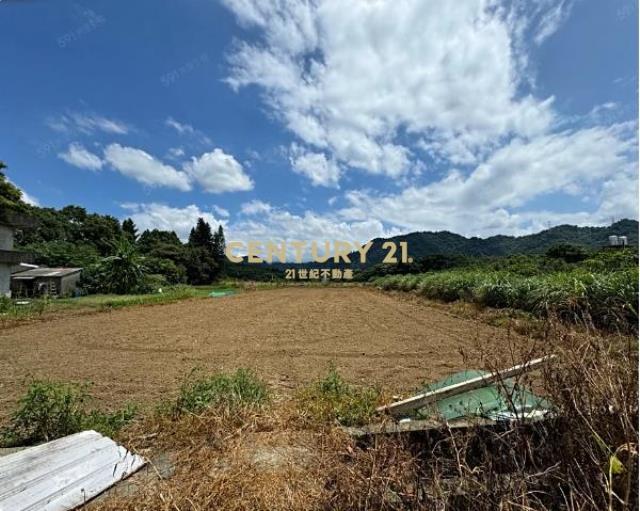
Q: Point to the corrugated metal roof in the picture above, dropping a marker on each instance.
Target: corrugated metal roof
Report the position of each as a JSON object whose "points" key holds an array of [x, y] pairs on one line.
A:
{"points": [[45, 272], [63, 474], [497, 402]]}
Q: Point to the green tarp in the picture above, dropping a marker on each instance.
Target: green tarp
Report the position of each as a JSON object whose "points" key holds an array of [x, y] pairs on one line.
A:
{"points": [[497, 402], [222, 292]]}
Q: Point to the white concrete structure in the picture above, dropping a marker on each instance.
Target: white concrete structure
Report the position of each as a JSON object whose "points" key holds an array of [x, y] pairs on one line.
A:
{"points": [[6, 243], [9, 257]]}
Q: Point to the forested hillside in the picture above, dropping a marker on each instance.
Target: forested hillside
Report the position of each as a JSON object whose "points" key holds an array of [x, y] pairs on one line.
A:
{"points": [[422, 244]]}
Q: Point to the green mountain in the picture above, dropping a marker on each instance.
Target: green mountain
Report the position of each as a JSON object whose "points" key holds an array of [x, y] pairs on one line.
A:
{"points": [[423, 244]]}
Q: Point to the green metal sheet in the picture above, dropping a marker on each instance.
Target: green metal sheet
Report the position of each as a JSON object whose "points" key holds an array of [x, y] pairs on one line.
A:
{"points": [[497, 401]]}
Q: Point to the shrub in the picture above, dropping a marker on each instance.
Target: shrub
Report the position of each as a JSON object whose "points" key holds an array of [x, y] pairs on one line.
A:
{"points": [[606, 299], [568, 253], [229, 391], [332, 400], [51, 410]]}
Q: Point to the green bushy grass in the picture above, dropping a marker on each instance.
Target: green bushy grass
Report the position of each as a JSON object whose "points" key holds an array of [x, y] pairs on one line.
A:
{"points": [[51, 410], [229, 391], [331, 400], [608, 299]]}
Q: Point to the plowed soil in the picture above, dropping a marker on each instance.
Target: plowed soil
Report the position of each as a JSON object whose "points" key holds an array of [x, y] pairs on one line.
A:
{"points": [[289, 336]]}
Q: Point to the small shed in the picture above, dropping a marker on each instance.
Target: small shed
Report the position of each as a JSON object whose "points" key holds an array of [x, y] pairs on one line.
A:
{"points": [[45, 281]]}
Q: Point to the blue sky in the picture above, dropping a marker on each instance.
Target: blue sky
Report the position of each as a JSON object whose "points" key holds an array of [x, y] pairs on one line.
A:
{"points": [[324, 119]]}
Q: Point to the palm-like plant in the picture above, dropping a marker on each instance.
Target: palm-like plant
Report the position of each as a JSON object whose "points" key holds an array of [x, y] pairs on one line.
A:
{"points": [[123, 272]]}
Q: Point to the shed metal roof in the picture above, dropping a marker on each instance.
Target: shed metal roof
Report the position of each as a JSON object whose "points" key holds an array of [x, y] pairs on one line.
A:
{"points": [[45, 272]]}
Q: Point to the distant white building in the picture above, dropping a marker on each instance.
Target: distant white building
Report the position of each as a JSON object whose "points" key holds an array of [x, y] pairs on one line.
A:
{"points": [[9, 222]]}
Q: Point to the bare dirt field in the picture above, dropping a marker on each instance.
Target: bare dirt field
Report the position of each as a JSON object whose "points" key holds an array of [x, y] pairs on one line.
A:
{"points": [[289, 336]]}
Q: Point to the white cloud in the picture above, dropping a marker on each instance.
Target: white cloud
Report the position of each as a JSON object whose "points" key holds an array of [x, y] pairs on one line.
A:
{"points": [[273, 224], [29, 199], [496, 196], [186, 129], [222, 212], [87, 123], [316, 166], [78, 156], [218, 172], [255, 207], [279, 224], [176, 152], [178, 126], [361, 83], [551, 18], [215, 172], [160, 216], [143, 167]]}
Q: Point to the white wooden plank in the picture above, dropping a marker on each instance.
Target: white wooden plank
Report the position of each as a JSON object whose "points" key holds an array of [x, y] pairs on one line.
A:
{"points": [[426, 398], [63, 474]]}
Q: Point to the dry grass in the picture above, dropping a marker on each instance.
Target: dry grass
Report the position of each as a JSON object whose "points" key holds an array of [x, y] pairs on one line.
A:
{"points": [[276, 457]]}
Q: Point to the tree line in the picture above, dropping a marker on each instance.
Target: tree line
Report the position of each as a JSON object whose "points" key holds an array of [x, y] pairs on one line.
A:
{"points": [[114, 255]]}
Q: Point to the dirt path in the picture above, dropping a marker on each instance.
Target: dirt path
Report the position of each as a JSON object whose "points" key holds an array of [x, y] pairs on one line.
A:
{"points": [[288, 336]]}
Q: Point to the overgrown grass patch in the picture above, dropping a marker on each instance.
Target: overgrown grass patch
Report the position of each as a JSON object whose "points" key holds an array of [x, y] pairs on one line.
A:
{"points": [[220, 390], [607, 300], [51, 410], [331, 400]]}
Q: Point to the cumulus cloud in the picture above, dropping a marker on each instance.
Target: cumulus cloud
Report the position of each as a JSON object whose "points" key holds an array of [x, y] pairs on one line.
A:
{"points": [[255, 207], [280, 224], [141, 166], [273, 224], [160, 216], [598, 162], [214, 172], [360, 84], [320, 170], [218, 172], [78, 156]]}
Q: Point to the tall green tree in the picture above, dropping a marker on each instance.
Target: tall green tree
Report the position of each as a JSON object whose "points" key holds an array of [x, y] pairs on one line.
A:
{"points": [[219, 245], [130, 230], [201, 235], [202, 267], [10, 195]]}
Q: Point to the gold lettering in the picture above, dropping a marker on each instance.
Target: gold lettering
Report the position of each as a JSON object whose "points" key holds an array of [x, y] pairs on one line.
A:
{"points": [[280, 251], [363, 250], [253, 251], [299, 246], [228, 251], [341, 251], [314, 252]]}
